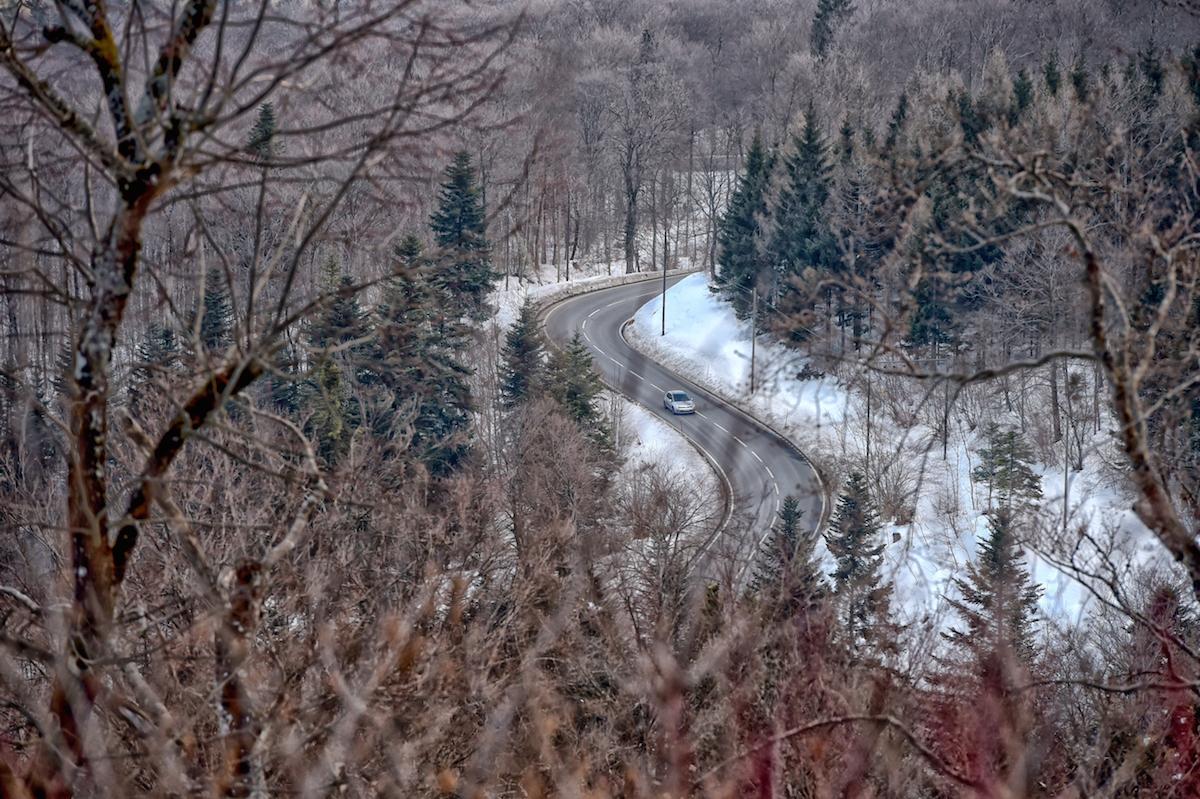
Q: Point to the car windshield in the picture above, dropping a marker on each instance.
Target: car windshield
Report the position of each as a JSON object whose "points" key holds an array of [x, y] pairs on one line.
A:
{"points": [[680, 396]]}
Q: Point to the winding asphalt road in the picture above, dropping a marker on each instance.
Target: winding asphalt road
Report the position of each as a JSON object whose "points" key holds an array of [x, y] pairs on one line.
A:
{"points": [[758, 466]]}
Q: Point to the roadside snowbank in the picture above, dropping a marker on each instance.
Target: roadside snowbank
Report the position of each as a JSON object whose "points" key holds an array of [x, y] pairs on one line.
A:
{"points": [[827, 419]]}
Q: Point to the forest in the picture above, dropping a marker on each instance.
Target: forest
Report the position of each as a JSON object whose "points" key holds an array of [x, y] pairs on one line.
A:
{"points": [[302, 494]]}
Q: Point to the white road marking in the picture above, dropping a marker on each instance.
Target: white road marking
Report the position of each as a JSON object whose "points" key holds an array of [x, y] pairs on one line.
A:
{"points": [[768, 468], [776, 489], [757, 457], [660, 388], [584, 328], [593, 313], [721, 426], [738, 440], [776, 501], [635, 374]]}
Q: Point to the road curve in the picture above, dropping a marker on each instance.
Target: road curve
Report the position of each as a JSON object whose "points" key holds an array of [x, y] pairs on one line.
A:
{"points": [[759, 467]]}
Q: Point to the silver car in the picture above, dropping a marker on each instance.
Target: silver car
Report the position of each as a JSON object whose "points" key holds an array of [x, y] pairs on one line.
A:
{"points": [[678, 402]]}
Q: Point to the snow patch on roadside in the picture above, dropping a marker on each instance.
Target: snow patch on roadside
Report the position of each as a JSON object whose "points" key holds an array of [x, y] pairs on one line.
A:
{"points": [[826, 418]]}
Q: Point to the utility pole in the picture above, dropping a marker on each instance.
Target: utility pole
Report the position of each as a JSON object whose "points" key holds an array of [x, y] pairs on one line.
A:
{"points": [[664, 299], [753, 333]]}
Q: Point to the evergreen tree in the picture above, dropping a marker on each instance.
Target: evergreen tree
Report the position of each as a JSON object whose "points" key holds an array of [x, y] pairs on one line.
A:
{"points": [[1153, 73], [1022, 93], [1079, 79], [428, 401], [786, 571], [741, 231], [331, 419], [1052, 75], [156, 353], [896, 125], [464, 272], [852, 539], [216, 323], [284, 386], [801, 237], [521, 359], [574, 383], [261, 143], [998, 600], [828, 19], [1004, 464]]}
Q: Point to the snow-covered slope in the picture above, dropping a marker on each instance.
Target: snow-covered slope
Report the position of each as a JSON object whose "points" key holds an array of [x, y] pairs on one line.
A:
{"points": [[827, 419]]}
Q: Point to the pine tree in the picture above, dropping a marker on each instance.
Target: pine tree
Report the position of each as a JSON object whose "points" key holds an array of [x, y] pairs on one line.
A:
{"points": [[521, 359], [427, 409], [216, 324], [852, 539], [1153, 73], [573, 382], [262, 144], [1004, 464], [828, 19], [464, 271], [741, 230], [998, 601], [786, 571]]}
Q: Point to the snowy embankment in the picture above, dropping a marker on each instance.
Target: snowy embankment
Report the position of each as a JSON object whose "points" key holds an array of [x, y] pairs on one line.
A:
{"points": [[931, 540], [647, 441]]}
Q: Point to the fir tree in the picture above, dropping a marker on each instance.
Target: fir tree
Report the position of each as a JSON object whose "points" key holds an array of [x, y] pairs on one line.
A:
{"points": [[573, 382], [521, 359], [216, 322], [786, 571], [284, 386], [427, 407], [1004, 464], [464, 272], [828, 19], [261, 143], [741, 230], [852, 539], [998, 600]]}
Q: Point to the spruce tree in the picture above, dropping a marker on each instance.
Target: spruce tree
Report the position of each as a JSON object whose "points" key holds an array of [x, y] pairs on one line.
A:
{"points": [[740, 233], [573, 382], [1022, 96], [1079, 78], [828, 19], [156, 353], [1052, 75], [216, 322], [998, 603], [1004, 464], [801, 237], [852, 539], [428, 400], [262, 144], [464, 270], [521, 358], [786, 571]]}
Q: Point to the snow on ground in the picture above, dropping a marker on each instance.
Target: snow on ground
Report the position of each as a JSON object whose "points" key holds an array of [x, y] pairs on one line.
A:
{"points": [[645, 439], [827, 419]]}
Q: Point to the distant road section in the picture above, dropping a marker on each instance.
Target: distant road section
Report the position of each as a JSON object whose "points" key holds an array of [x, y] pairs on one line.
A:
{"points": [[760, 467]]}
